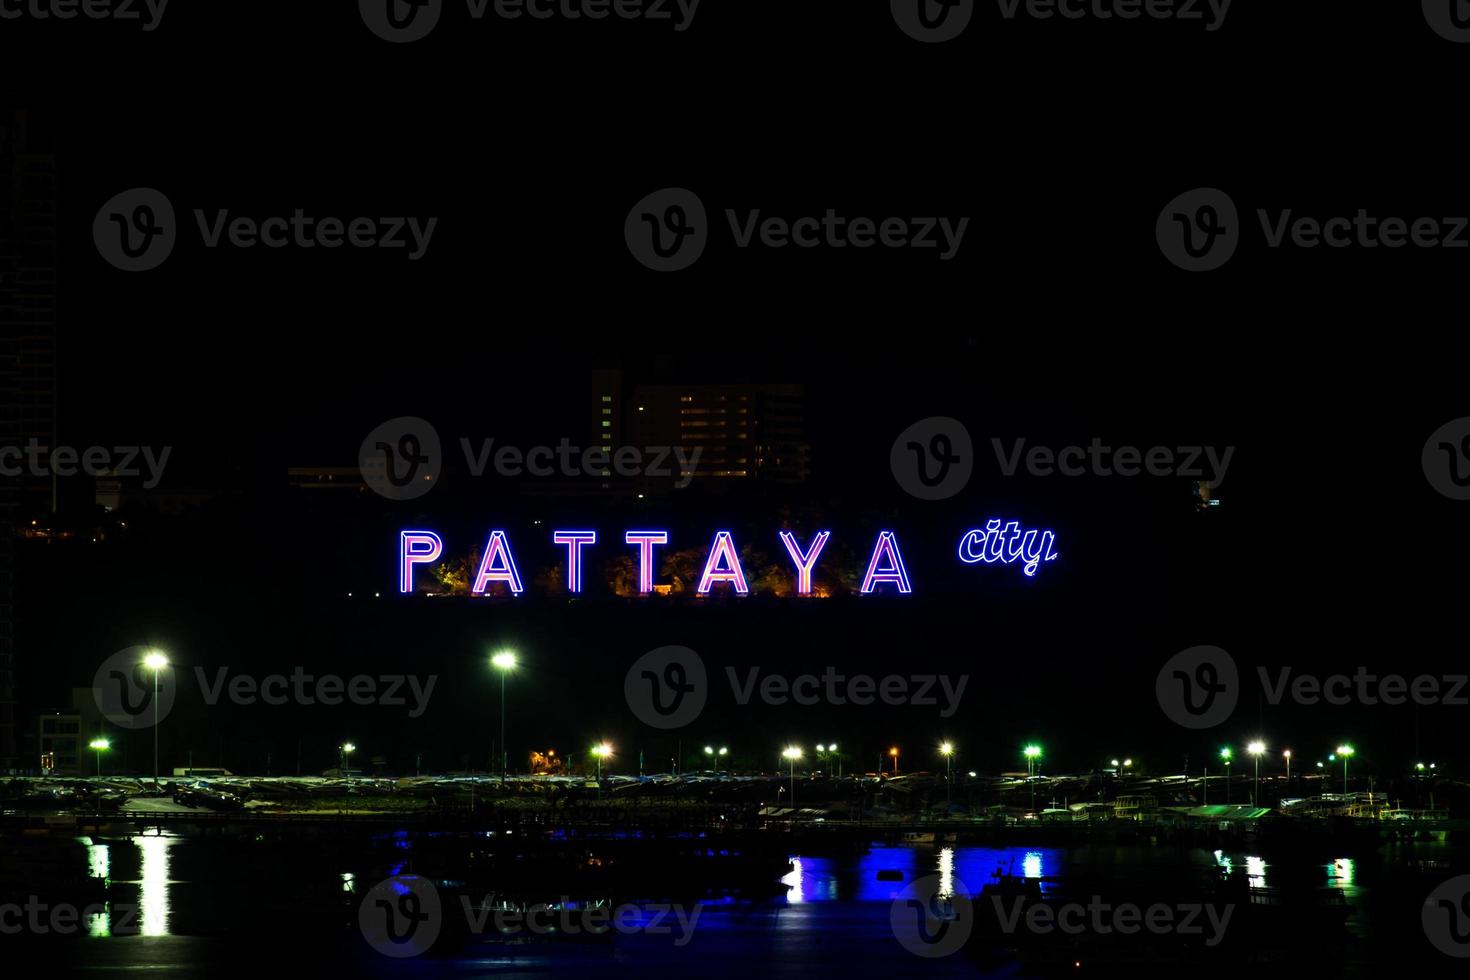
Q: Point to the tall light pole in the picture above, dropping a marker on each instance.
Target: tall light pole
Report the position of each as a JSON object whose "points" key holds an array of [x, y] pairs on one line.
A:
{"points": [[1032, 753], [1256, 749], [893, 754], [600, 751], [505, 662], [946, 749], [1346, 751], [1225, 754], [791, 753], [1287, 756], [99, 745], [155, 661], [343, 751]]}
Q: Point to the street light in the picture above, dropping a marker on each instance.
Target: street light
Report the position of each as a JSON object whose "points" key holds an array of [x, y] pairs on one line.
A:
{"points": [[946, 749], [1256, 749], [792, 753], [1032, 753], [1287, 756], [343, 751], [155, 661], [100, 745], [601, 751], [1225, 754], [505, 662], [1346, 751]]}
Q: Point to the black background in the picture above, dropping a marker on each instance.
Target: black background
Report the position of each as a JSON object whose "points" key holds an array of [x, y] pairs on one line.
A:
{"points": [[1059, 320]]}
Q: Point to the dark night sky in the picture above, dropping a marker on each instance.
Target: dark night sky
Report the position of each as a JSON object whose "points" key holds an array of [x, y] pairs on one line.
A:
{"points": [[1057, 322]]}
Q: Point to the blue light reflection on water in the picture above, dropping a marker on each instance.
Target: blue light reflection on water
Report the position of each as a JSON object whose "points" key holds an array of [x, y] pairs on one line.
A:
{"points": [[963, 870]]}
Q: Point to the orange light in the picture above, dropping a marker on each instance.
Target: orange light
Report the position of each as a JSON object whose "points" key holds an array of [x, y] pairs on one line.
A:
{"points": [[893, 752]]}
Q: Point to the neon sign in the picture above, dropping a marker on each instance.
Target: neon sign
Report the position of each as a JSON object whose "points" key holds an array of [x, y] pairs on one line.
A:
{"points": [[574, 540], [498, 565], [1007, 545], [804, 561], [892, 570], [998, 544], [723, 565]]}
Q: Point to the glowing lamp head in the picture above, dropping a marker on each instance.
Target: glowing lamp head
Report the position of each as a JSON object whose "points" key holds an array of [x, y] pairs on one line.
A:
{"points": [[1127, 763], [946, 748], [1225, 754], [1032, 751], [505, 660], [893, 752], [1345, 751], [1116, 763], [1286, 754], [709, 750], [791, 752], [1256, 748], [155, 660], [101, 743], [724, 751]]}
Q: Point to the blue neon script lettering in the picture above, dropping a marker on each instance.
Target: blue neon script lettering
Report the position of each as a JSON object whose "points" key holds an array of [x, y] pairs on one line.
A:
{"points": [[1008, 544]]}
